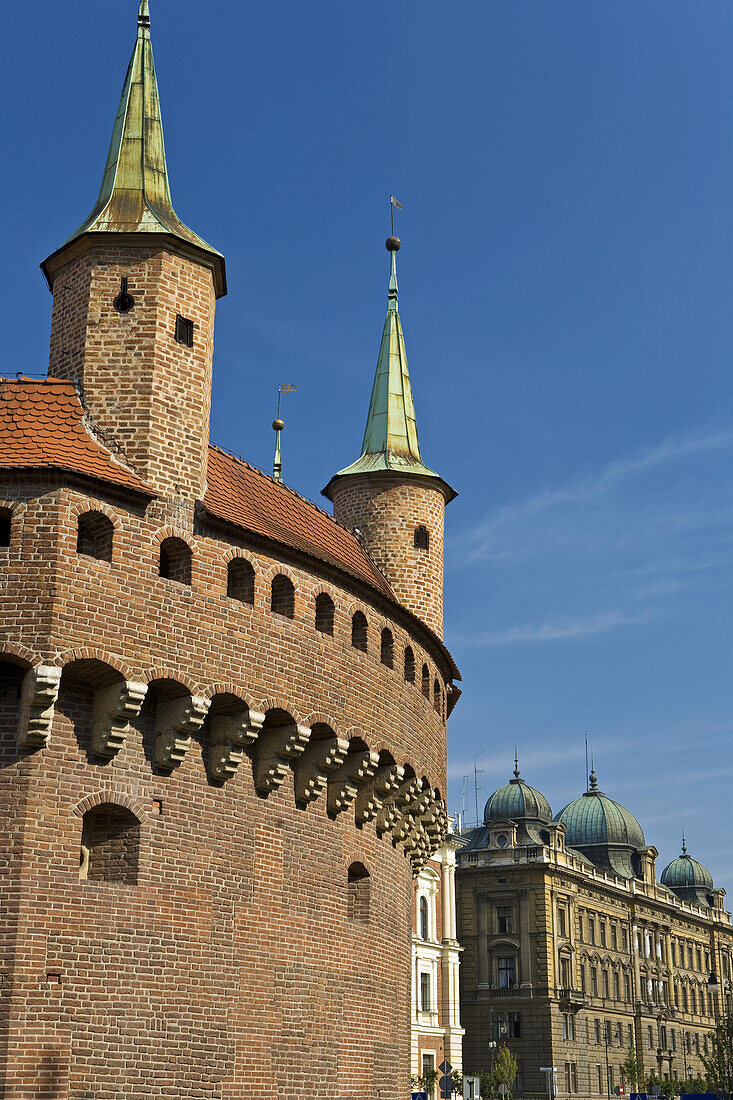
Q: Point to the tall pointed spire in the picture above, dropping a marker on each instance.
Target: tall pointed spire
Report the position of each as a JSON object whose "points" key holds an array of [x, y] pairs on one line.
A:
{"points": [[390, 438], [135, 196]]}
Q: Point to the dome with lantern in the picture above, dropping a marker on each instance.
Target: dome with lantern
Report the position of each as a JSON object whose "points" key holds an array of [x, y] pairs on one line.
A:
{"points": [[604, 831]]}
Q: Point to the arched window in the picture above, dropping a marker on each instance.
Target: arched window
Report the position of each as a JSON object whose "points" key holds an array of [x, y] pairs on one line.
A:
{"points": [[324, 613], [359, 889], [94, 532], [282, 600], [110, 845], [386, 654], [6, 520], [421, 538], [426, 681], [423, 913], [437, 698], [409, 665], [241, 580], [359, 631], [175, 560]]}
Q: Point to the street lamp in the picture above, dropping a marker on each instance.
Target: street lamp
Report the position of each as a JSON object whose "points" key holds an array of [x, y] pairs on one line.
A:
{"points": [[713, 983]]}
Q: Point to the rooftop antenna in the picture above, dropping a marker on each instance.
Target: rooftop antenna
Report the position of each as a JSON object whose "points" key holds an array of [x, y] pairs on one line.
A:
{"points": [[277, 426], [463, 796], [476, 773]]}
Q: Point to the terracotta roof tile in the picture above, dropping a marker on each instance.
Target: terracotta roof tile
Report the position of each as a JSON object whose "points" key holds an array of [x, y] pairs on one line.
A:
{"points": [[42, 424], [243, 495]]}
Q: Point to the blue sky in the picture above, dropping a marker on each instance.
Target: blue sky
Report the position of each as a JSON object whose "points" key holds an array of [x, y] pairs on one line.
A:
{"points": [[566, 276]]}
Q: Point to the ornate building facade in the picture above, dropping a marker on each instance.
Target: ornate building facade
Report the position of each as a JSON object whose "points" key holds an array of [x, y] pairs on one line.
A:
{"points": [[223, 711], [574, 951], [437, 1035]]}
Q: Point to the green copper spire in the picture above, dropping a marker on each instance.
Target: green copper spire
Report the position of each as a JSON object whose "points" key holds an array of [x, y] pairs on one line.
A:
{"points": [[135, 196], [390, 438]]}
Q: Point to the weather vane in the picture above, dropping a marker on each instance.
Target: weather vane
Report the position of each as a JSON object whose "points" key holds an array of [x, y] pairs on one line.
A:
{"points": [[393, 205], [278, 425]]}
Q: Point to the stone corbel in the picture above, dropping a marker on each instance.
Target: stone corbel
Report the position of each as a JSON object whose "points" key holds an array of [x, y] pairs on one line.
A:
{"points": [[176, 720], [276, 748], [38, 699], [370, 799], [115, 707], [230, 735], [312, 770], [395, 803], [345, 783]]}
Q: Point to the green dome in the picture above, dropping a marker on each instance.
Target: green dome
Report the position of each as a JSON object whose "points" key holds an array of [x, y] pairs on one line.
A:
{"points": [[517, 801], [603, 830], [689, 879]]}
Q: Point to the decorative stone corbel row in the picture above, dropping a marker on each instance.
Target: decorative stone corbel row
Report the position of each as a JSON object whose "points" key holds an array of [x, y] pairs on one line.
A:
{"points": [[346, 781], [370, 799], [176, 720], [115, 707], [319, 759], [275, 748], [38, 698], [392, 812], [230, 735]]}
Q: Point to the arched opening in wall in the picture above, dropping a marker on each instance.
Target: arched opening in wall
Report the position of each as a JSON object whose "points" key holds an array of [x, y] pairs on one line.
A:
{"points": [[426, 681], [165, 724], [94, 534], [386, 654], [241, 581], [324, 613], [359, 891], [6, 523], [110, 845], [175, 560], [11, 686], [282, 598], [409, 665], [359, 631], [80, 699], [437, 697], [421, 538], [423, 918]]}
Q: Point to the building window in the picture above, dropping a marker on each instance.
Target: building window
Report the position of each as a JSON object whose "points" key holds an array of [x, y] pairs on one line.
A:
{"points": [[241, 581], [110, 845], [610, 1079], [426, 681], [506, 972], [358, 893], [597, 1031], [582, 977], [571, 1077], [282, 596], [594, 981], [324, 613], [94, 534], [359, 631], [424, 930], [565, 980], [175, 560], [630, 1035], [437, 698], [614, 938], [562, 920], [421, 538], [627, 988], [616, 986], [672, 1039], [650, 1037], [602, 925], [624, 940], [507, 1025], [599, 1080], [591, 929], [5, 526], [409, 665], [568, 1025], [503, 919], [424, 992], [619, 1034], [184, 331], [386, 652]]}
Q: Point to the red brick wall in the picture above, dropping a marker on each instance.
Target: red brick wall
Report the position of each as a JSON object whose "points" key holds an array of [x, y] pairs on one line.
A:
{"points": [[387, 510], [147, 395], [230, 969]]}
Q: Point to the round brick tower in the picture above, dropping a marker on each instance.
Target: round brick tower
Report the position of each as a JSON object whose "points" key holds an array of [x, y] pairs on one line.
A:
{"points": [[393, 502]]}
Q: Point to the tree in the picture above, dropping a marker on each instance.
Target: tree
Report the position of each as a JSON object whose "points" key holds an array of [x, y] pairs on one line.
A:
{"points": [[505, 1070], [632, 1071], [719, 1062], [456, 1082]]}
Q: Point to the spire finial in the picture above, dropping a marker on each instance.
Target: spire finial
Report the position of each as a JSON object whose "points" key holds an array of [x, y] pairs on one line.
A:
{"points": [[684, 844], [593, 778], [393, 245], [516, 763], [277, 462]]}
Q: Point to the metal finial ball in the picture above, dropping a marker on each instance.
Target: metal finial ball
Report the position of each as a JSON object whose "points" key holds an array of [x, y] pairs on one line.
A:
{"points": [[393, 244], [278, 425]]}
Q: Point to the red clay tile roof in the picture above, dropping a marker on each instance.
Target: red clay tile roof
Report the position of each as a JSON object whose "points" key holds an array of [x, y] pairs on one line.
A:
{"points": [[243, 495], [42, 424]]}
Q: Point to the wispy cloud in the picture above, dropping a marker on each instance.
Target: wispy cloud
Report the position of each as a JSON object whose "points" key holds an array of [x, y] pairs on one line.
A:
{"points": [[562, 627]]}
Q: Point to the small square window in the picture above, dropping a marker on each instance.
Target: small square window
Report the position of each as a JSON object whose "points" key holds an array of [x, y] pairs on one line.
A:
{"points": [[184, 331]]}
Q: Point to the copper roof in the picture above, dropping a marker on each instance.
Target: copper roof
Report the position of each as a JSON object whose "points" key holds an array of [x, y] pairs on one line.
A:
{"points": [[243, 495], [44, 424]]}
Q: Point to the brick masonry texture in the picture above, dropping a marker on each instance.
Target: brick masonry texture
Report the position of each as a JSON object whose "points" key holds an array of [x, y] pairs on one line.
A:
{"points": [[245, 743], [387, 509]]}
